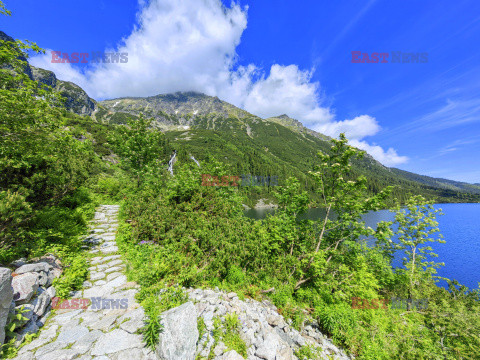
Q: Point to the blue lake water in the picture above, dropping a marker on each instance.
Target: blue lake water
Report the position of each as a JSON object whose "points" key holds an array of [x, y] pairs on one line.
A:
{"points": [[460, 227]]}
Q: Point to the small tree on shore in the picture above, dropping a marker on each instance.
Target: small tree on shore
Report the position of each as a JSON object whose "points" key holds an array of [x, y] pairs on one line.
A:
{"points": [[417, 226]]}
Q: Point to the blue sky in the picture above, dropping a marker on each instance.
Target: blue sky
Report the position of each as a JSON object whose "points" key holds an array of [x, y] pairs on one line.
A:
{"points": [[290, 57]]}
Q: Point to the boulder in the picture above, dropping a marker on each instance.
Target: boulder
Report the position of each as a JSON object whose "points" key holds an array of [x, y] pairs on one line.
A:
{"points": [[45, 278], [24, 287], [180, 334], [50, 259], [274, 348], [18, 263], [37, 267], [41, 303], [6, 296]]}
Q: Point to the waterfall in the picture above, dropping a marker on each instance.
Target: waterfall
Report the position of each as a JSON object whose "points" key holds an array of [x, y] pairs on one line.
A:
{"points": [[172, 161], [196, 162]]}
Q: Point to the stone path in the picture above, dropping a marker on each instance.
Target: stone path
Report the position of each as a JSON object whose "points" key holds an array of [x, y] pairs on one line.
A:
{"points": [[108, 327]]}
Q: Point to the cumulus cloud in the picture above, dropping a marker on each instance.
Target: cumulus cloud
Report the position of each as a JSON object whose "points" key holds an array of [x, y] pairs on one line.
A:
{"points": [[354, 129], [287, 90], [358, 128], [387, 158], [185, 45]]}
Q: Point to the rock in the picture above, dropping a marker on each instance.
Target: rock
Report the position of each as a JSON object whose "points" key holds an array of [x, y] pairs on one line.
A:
{"points": [[45, 278], [31, 328], [43, 319], [50, 259], [99, 216], [27, 311], [18, 263], [6, 296], [72, 335], [51, 292], [132, 321], [64, 354], [274, 320], [37, 267], [180, 334], [41, 303], [232, 355], [219, 349], [85, 343], [97, 276], [56, 273], [45, 337], [271, 344], [24, 287], [115, 341]]}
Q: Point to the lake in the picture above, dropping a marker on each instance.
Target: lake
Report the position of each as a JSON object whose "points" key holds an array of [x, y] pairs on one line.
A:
{"points": [[460, 227]]}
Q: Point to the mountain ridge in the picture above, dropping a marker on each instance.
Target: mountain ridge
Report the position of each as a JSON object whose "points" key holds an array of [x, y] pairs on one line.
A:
{"points": [[185, 116]]}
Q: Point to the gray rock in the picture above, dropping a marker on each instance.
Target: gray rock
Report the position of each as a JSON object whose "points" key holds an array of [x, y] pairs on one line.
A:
{"points": [[46, 278], [132, 321], [27, 311], [180, 334], [65, 354], [105, 323], [41, 303], [271, 344], [232, 355], [116, 341], [25, 356], [49, 348], [113, 275], [115, 263], [6, 296], [73, 334], [30, 328], [43, 319], [219, 349], [18, 263], [109, 250], [45, 337], [85, 343], [24, 287], [99, 216], [41, 266], [115, 268], [97, 276]]}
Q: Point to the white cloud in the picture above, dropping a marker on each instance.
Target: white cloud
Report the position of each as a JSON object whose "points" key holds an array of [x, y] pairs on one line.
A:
{"points": [[354, 129], [359, 128], [287, 90], [185, 45], [387, 158]]}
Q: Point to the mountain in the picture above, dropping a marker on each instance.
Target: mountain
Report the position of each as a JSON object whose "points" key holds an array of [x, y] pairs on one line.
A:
{"points": [[205, 126], [439, 182], [180, 110], [77, 99], [296, 126]]}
